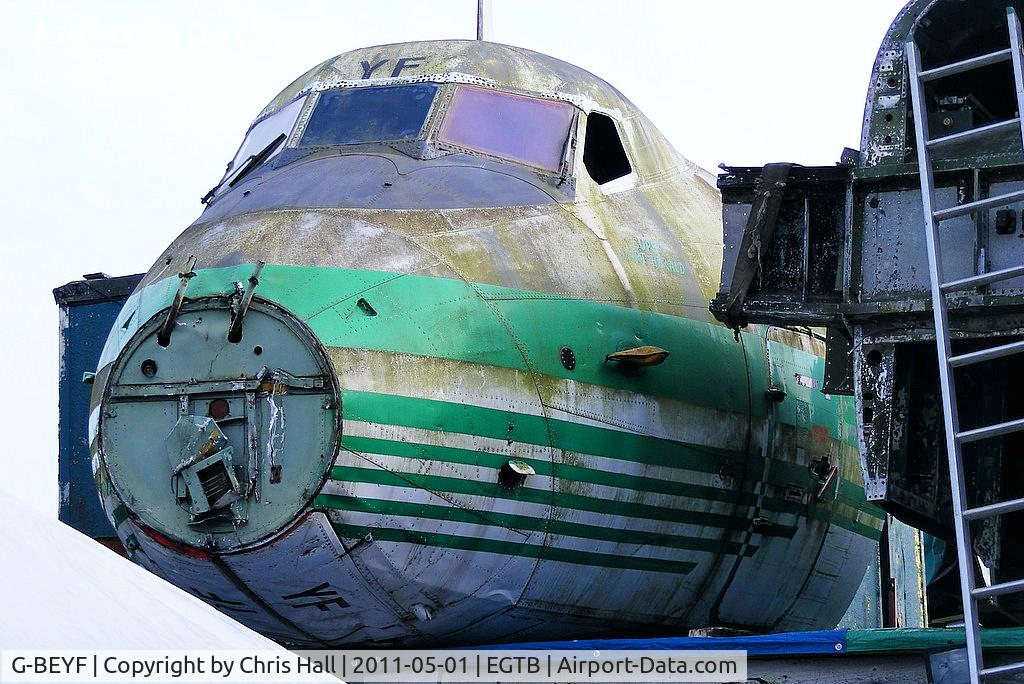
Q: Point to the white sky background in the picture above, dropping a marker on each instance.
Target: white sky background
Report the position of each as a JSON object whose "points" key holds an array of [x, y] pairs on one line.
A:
{"points": [[118, 115]]}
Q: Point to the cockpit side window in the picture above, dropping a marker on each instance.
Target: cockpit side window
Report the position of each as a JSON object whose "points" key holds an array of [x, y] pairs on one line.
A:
{"points": [[603, 153], [528, 130], [350, 116], [263, 141]]}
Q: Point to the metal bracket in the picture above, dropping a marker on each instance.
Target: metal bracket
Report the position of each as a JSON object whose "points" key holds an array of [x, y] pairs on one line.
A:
{"points": [[235, 331], [163, 337]]}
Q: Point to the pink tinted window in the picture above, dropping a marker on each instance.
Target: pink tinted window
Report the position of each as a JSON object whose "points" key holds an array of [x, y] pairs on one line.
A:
{"points": [[519, 128]]}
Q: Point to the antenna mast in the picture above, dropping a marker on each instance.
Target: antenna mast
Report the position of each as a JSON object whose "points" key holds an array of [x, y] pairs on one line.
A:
{"points": [[483, 19]]}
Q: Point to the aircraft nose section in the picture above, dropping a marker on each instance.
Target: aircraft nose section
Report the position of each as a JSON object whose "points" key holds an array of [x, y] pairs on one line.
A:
{"points": [[218, 429]]}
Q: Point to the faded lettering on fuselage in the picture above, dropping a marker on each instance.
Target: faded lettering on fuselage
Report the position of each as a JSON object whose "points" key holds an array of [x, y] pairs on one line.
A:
{"points": [[401, 64], [651, 253], [323, 596]]}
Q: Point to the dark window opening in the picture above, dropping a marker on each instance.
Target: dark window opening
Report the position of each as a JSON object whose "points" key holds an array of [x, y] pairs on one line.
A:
{"points": [[603, 154]]}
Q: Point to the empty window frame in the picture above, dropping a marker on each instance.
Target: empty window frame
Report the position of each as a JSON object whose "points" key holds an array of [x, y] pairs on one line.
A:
{"points": [[264, 140], [603, 153]]}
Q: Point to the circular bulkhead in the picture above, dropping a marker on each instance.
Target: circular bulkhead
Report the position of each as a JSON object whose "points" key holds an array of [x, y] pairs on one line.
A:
{"points": [[214, 443]]}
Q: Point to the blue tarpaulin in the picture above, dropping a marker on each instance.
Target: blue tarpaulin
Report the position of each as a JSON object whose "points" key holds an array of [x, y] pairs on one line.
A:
{"points": [[829, 641]]}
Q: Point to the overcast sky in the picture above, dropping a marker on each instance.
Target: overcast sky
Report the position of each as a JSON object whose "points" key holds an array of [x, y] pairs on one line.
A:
{"points": [[119, 115]]}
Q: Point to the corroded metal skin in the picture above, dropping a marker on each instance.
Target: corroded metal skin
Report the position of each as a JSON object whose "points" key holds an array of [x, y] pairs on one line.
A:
{"points": [[473, 467]]}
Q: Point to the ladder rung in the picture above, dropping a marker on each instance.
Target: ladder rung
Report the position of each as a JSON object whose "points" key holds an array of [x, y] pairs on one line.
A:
{"points": [[983, 279], [966, 65], [998, 589], [1008, 668], [987, 203], [990, 431], [1011, 124], [994, 509], [986, 354]]}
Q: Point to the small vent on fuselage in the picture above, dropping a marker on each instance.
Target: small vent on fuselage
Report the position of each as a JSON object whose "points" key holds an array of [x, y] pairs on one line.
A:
{"points": [[215, 483]]}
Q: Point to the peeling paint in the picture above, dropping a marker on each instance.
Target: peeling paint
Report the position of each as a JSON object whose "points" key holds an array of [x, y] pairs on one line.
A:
{"points": [[658, 495]]}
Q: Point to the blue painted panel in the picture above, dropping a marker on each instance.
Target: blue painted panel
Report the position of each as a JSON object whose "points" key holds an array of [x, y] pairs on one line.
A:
{"points": [[88, 309], [907, 562], [824, 642], [865, 611]]}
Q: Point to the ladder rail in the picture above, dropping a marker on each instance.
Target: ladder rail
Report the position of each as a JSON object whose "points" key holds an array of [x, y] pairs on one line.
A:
{"points": [[966, 65], [972, 133], [999, 508], [1009, 668], [978, 205], [1016, 41], [982, 355], [965, 557], [982, 279], [970, 594], [989, 431], [1011, 587]]}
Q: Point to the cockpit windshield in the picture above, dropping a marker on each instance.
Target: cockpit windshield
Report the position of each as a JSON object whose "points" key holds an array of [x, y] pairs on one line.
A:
{"points": [[529, 130], [349, 116]]}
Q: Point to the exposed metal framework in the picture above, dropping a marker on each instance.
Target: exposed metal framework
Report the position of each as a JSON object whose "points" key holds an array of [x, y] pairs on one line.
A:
{"points": [[954, 436]]}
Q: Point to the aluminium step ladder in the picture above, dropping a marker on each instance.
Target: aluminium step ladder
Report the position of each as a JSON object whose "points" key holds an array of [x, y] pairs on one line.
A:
{"points": [[955, 438]]}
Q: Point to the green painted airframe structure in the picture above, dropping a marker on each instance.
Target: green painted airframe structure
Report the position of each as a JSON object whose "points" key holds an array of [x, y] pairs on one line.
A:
{"points": [[418, 437]]}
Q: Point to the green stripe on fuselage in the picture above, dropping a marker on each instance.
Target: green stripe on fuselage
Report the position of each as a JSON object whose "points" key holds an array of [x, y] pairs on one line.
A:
{"points": [[513, 549], [441, 484], [445, 485], [522, 330], [525, 522], [872, 533], [849, 493], [443, 416], [853, 496], [511, 328], [120, 515], [429, 414], [445, 454]]}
